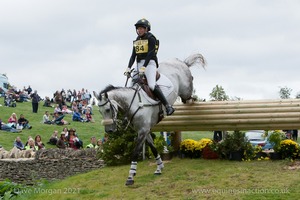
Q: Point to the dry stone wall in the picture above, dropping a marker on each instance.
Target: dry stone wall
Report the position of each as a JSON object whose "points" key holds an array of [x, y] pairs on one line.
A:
{"points": [[49, 164]]}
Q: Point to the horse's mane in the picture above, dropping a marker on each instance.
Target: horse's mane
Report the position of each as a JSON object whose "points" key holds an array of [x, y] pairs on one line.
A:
{"points": [[108, 88]]}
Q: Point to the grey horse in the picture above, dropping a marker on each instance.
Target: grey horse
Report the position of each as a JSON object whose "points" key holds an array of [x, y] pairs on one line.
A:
{"points": [[143, 113]]}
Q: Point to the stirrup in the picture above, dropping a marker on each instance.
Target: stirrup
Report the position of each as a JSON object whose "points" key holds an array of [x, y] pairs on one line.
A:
{"points": [[169, 110]]}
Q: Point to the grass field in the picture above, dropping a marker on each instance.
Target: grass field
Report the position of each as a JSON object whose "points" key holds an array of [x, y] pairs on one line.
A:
{"points": [[84, 130], [181, 178]]}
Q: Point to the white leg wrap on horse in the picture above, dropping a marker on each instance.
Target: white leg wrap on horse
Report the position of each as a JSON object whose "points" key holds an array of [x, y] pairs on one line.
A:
{"points": [[160, 165], [133, 168]]}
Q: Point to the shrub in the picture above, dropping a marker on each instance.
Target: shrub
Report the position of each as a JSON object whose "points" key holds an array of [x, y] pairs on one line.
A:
{"points": [[119, 147], [289, 149], [192, 148], [10, 189]]}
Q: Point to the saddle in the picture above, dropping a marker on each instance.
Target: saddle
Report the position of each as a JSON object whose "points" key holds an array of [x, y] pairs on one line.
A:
{"points": [[144, 85]]}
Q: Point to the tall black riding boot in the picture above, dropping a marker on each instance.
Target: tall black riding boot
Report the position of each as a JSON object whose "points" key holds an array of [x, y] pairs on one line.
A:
{"points": [[158, 93]]}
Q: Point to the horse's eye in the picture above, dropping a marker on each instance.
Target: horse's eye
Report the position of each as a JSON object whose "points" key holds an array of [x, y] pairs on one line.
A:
{"points": [[107, 110]]}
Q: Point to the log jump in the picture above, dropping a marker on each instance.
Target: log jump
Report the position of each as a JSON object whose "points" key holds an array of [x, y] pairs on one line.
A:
{"points": [[233, 115]]}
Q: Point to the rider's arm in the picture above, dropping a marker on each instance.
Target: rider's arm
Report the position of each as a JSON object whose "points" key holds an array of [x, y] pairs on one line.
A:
{"points": [[132, 58], [151, 50]]}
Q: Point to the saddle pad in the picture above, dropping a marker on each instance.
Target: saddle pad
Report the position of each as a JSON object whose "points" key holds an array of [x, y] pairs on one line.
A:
{"points": [[166, 87]]}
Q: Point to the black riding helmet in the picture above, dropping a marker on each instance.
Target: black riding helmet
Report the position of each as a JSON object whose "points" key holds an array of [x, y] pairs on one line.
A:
{"points": [[143, 23]]}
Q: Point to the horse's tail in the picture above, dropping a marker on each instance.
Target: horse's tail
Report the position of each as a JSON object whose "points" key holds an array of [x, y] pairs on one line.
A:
{"points": [[195, 59]]}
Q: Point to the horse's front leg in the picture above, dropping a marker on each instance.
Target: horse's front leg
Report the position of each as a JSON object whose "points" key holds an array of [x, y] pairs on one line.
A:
{"points": [[159, 163], [132, 172]]}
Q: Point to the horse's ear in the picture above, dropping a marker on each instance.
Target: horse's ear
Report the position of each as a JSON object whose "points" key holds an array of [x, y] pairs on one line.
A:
{"points": [[96, 95]]}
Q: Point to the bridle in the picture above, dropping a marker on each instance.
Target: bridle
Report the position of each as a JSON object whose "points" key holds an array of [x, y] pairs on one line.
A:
{"points": [[125, 122], [113, 110]]}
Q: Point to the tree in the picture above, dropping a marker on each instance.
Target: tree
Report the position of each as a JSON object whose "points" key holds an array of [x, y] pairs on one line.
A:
{"points": [[218, 94], [285, 92]]}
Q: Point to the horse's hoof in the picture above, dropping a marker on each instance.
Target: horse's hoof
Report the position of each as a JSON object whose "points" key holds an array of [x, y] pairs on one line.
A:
{"points": [[129, 182], [157, 172]]}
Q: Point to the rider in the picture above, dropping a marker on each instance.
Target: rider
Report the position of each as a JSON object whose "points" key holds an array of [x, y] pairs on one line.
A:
{"points": [[145, 48]]}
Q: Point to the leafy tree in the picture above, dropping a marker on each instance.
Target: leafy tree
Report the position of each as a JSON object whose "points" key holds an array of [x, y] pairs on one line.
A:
{"points": [[285, 92], [218, 94], [298, 95]]}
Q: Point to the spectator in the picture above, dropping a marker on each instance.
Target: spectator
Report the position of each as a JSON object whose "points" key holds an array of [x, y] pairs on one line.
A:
{"points": [[99, 142], [47, 102], [88, 116], [31, 145], [65, 110], [29, 90], [5, 127], [46, 119], [23, 123], [54, 138], [93, 143], [295, 135], [38, 142], [18, 143], [217, 136], [105, 138], [65, 129], [58, 119], [77, 117], [13, 120], [62, 143], [35, 98], [57, 109], [73, 140]]}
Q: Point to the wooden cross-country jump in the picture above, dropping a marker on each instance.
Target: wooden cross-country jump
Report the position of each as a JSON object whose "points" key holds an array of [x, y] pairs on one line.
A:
{"points": [[233, 115]]}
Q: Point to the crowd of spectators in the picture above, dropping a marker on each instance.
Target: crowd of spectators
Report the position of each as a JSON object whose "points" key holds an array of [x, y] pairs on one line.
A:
{"points": [[75, 103]]}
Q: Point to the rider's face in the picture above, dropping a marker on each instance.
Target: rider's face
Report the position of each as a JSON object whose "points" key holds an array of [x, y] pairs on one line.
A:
{"points": [[141, 31]]}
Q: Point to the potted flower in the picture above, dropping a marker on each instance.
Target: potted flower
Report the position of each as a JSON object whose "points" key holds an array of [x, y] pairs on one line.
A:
{"points": [[275, 138], [165, 151], [210, 151], [187, 148], [289, 149], [233, 146]]}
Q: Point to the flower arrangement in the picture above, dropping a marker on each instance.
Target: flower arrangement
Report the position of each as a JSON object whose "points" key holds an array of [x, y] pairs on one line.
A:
{"points": [[275, 138], [187, 147], [289, 149], [193, 148]]}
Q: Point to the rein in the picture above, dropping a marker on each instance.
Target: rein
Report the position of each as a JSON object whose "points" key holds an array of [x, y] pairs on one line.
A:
{"points": [[125, 120]]}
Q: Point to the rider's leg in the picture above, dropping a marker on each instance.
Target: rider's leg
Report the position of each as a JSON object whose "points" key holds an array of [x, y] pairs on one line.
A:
{"points": [[158, 93], [151, 78]]}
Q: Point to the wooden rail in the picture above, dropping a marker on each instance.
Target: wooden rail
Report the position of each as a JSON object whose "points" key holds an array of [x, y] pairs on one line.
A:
{"points": [[233, 115]]}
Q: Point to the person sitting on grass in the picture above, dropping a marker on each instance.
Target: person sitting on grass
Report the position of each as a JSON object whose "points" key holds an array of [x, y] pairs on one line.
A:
{"points": [[77, 116], [13, 120], [62, 143], [93, 143], [88, 116], [46, 118], [38, 142], [54, 138], [31, 145], [18, 143], [58, 119], [23, 123], [5, 127]]}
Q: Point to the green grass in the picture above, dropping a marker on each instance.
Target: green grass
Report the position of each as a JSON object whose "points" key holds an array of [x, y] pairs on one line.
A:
{"points": [[84, 130], [181, 179]]}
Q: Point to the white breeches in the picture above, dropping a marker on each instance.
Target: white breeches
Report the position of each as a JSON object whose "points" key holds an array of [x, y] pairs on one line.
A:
{"points": [[150, 72]]}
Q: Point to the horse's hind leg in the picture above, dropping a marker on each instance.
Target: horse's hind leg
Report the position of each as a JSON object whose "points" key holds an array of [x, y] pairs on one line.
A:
{"points": [[159, 163]]}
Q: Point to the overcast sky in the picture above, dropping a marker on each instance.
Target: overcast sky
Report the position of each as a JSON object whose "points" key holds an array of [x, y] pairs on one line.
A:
{"points": [[252, 47]]}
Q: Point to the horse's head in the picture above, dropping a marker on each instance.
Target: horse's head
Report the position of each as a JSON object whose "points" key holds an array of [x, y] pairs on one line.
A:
{"points": [[108, 109]]}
